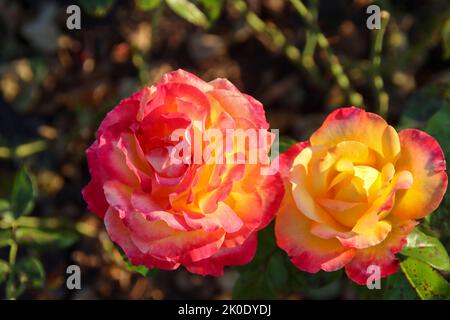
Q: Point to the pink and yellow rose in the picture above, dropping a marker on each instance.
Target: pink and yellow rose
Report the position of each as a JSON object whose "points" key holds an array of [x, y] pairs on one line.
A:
{"points": [[165, 213], [354, 192]]}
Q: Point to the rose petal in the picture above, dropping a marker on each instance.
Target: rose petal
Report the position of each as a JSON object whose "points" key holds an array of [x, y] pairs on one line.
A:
{"points": [[423, 157]]}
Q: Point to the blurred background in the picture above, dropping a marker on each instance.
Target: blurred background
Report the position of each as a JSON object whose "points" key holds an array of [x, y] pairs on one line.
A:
{"points": [[301, 59]]}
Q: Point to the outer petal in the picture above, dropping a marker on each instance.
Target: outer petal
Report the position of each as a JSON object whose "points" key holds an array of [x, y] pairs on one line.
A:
{"points": [[93, 192], [156, 238], [381, 255], [308, 252], [355, 124], [122, 116], [287, 158], [182, 76], [423, 157], [120, 235], [238, 255]]}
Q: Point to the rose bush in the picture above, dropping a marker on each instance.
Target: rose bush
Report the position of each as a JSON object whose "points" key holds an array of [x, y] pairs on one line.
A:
{"points": [[165, 213], [354, 191]]}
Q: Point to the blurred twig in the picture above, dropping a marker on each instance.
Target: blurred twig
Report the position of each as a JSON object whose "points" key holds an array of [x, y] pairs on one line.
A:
{"points": [[280, 41], [335, 66], [381, 96], [311, 39]]}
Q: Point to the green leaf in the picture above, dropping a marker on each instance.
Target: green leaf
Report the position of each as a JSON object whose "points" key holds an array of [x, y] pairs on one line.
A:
{"points": [[254, 285], [277, 271], [255, 280], [213, 8], [45, 239], [5, 238], [142, 270], [30, 271], [286, 143], [147, 5], [397, 287], [23, 193], [428, 283], [27, 273], [446, 39], [320, 285], [439, 127], [4, 270], [4, 206], [188, 11], [427, 249], [98, 8], [423, 104]]}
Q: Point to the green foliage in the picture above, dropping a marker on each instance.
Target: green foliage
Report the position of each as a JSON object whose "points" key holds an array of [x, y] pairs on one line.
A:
{"points": [[23, 194], [428, 283], [147, 5], [446, 39], [18, 230], [397, 287], [423, 104], [439, 127], [4, 269], [98, 8], [271, 275], [31, 271], [265, 273], [28, 273], [286, 143], [213, 8], [45, 239], [188, 11], [142, 270], [427, 249], [5, 237]]}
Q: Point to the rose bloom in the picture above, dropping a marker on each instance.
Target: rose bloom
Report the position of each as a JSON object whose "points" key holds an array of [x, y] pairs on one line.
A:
{"points": [[163, 212], [354, 192]]}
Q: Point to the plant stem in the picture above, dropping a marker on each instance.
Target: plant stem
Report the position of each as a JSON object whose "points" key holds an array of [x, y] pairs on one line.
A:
{"points": [[11, 294], [280, 42], [311, 38], [382, 98], [336, 68]]}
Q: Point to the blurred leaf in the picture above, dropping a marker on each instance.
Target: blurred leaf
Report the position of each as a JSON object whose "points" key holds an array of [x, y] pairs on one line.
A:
{"points": [[147, 5], [422, 104], [5, 237], [45, 239], [255, 280], [439, 127], [98, 8], [253, 285], [286, 143], [213, 8], [188, 11], [28, 149], [23, 193], [427, 249], [397, 287], [30, 271], [277, 271], [446, 39], [320, 285], [4, 269], [428, 283], [4, 206], [14, 289], [271, 274], [142, 270]]}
